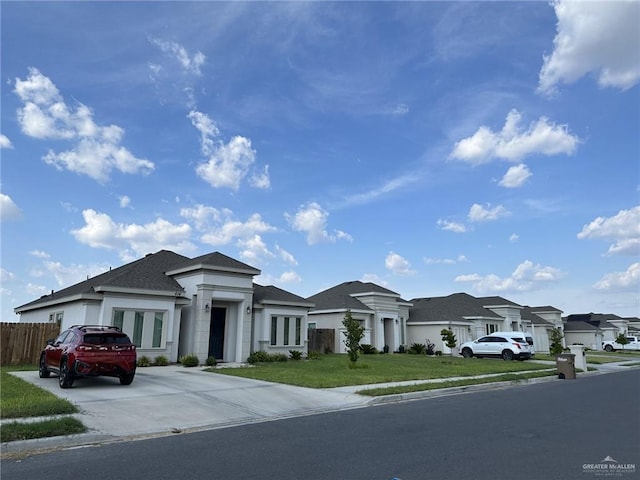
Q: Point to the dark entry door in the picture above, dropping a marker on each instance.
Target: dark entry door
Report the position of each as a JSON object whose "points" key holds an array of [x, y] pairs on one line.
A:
{"points": [[216, 332]]}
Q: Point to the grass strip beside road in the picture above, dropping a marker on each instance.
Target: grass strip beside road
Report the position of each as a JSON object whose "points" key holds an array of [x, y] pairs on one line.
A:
{"points": [[14, 431], [421, 387], [334, 370], [20, 399]]}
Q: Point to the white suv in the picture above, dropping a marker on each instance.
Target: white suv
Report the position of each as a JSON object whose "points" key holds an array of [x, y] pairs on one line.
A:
{"points": [[507, 345]]}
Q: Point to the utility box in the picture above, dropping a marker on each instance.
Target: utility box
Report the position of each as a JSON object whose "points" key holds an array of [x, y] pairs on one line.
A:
{"points": [[566, 365]]}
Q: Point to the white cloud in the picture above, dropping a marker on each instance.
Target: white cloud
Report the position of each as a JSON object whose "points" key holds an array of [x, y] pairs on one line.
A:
{"points": [[133, 240], [189, 63], [8, 209], [286, 256], [452, 226], [477, 213], [629, 279], [229, 229], [125, 201], [203, 216], [39, 254], [389, 186], [525, 277], [253, 250], [398, 265], [445, 261], [6, 275], [5, 142], [515, 176], [514, 237], [512, 144], [289, 277], [601, 38], [373, 278], [261, 179], [227, 163], [97, 150], [312, 219], [623, 229]]}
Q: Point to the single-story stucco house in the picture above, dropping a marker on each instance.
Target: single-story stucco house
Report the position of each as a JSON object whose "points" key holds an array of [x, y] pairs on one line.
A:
{"points": [[172, 305], [470, 317], [591, 329], [382, 312]]}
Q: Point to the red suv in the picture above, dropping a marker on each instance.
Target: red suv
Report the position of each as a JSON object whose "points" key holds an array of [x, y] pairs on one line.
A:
{"points": [[89, 350]]}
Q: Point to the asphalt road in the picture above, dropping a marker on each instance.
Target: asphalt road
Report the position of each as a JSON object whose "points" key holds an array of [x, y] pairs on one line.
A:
{"points": [[545, 431]]}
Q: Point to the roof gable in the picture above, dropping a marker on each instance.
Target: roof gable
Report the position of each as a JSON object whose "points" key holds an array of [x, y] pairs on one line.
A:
{"points": [[271, 294], [455, 307], [341, 296]]}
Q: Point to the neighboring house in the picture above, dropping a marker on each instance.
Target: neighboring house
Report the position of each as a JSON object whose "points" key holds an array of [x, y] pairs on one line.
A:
{"points": [[542, 320], [591, 329], [280, 320], [382, 312], [470, 318], [173, 305]]}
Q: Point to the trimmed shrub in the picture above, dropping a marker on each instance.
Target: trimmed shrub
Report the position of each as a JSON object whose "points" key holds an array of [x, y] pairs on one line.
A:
{"points": [[417, 348], [211, 362], [295, 354], [313, 355], [189, 360], [143, 361], [368, 349], [161, 361]]}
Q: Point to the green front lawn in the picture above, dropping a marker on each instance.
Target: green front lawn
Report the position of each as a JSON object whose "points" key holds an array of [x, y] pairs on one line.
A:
{"points": [[22, 399], [334, 370]]}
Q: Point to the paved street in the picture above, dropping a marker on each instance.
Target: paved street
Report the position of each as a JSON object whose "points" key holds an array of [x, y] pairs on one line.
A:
{"points": [[544, 431]]}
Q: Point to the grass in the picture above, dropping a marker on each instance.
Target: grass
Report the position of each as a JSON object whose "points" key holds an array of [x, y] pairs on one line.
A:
{"points": [[334, 370], [20, 399], [14, 431], [421, 387]]}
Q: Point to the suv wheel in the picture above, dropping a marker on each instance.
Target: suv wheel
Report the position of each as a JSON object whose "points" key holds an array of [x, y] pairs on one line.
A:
{"points": [[608, 348], [126, 378], [507, 355], [467, 353], [42, 369], [66, 377]]}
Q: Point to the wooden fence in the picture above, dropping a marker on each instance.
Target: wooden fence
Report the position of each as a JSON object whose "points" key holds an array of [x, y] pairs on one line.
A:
{"points": [[321, 340], [21, 343]]}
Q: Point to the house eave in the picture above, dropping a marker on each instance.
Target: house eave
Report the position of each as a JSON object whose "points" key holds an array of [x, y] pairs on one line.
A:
{"points": [[212, 268], [108, 289], [340, 310], [58, 301], [270, 303]]}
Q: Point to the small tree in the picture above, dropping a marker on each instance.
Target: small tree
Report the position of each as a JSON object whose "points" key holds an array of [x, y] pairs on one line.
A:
{"points": [[354, 333], [448, 337], [622, 339], [555, 341]]}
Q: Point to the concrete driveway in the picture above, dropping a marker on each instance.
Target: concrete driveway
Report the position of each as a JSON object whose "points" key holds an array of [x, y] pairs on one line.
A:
{"points": [[176, 399]]}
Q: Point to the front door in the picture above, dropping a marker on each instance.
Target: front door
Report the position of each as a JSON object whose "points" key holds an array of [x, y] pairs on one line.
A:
{"points": [[216, 332]]}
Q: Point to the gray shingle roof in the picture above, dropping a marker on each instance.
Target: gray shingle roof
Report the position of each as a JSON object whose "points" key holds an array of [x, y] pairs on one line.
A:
{"points": [[270, 293], [454, 307], [217, 259], [528, 313], [340, 296], [146, 273]]}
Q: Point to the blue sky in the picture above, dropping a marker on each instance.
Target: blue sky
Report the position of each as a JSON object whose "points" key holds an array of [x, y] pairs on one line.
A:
{"points": [[429, 147]]}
